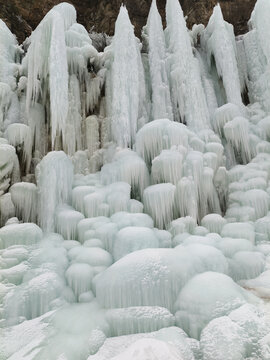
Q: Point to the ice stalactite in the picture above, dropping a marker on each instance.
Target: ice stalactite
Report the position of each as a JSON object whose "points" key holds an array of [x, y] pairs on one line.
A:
{"points": [[155, 40], [257, 52], [9, 57], [127, 166], [20, 136], [9, 167], [24, 198], [158, 202], [46, 66], [54, 181], [219, 40], [188, 98], [125, 84]]}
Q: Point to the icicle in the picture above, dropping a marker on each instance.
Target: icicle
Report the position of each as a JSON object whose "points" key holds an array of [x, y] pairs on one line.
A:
{"points": [[213, 222], [257, 51], [167, 167], [158, 202], [79, 277], [159, 135], [8, 50], [54, 181], [129, 167], [218, 38], [236, 133], [223, 115], [9, 167], [36, 122], [153, 33], [66, 221], [20, 136], [24, 197], [125, 88], [139, 319], [189, 102], [7, 209], [92, 134], [46, 58], [186, 203], [58, 77]]}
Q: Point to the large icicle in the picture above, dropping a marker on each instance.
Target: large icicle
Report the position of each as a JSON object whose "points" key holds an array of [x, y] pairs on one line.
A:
{"points": [[257, 50], [154, 36], [8, 72], [218, 38], [188, 98], [46, 63], [125, 87], [54, 181]]}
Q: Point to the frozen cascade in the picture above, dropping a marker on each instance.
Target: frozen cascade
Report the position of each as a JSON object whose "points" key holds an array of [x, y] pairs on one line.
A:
{"points": [[188, 98], [46, 57], [125, 88], [54, 185], [154, 37], [145, 234], [219, 40]]}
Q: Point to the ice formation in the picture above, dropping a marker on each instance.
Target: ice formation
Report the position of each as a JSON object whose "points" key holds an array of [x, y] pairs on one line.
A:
{"points": [[125, 88], [135, 190]]}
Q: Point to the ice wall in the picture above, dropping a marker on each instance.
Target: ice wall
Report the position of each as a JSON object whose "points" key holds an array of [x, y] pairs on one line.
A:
{"points": [[145, 233]]}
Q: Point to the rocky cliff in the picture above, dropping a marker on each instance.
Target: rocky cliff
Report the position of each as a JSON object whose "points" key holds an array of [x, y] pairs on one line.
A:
{"points": [[23, 16]]}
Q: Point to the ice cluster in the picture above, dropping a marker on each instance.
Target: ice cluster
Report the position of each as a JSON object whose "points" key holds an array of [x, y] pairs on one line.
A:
{"points": [[135, 190]]}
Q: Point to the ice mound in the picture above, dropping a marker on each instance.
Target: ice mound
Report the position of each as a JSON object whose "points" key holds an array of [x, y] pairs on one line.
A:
{"points": [[130, 239], [140, 319], [259, 285], [160, 135], [128, 167], [173, 336], [33, 297], [144, 348], [196, 308], [246, 265], [67, 219], [240, 335], [153, 277], [223, 338], [20, 234]]}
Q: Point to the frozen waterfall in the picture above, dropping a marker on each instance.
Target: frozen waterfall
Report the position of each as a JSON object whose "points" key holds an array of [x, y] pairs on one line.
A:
{"points": [[135, 189]]}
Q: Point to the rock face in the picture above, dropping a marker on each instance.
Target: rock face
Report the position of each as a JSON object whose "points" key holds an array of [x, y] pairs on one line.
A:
{"points": [[23, 16]]}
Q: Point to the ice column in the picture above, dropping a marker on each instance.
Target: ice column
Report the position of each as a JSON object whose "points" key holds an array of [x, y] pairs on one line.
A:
{"points": [[125, 85], [47, 68], [154, 36], [219, 40], [257, 50], [188, 98], [54, 181]]}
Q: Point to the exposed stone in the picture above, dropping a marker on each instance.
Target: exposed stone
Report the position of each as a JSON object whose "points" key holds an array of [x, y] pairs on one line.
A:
{"points": [[23, 16]]}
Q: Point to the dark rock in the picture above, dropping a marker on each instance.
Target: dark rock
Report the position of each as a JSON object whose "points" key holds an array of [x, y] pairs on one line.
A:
{"points": [[23, 16]]}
